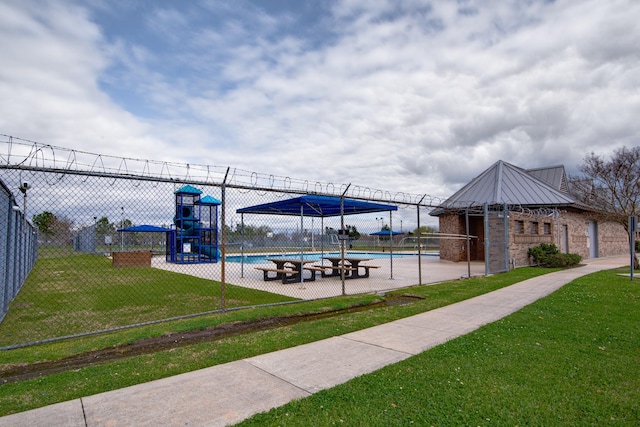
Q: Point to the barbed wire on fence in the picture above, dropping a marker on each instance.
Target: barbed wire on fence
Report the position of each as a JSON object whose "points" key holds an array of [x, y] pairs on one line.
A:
{"points": [[24, 154], [538, 212]]}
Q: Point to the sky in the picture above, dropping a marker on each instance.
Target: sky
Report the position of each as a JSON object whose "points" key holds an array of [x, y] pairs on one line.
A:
{"points": [[411, 96]]}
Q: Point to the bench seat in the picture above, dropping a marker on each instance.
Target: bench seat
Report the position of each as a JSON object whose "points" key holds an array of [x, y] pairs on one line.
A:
{"points": [[287, 275], [280, 273]]}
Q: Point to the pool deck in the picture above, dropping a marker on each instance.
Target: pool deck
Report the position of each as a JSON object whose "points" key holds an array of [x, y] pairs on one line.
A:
{"points": [[401, 273]]}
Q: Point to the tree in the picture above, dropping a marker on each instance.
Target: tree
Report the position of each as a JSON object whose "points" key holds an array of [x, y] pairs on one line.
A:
{"points": [[422, 234], [354, 234], [57, 230], [62, 232], [612, 187], [104, 227], [45, 221], [424, 229]]}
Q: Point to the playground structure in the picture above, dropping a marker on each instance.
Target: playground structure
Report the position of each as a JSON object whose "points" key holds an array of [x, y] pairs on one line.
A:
{"points": [[193, 237]]}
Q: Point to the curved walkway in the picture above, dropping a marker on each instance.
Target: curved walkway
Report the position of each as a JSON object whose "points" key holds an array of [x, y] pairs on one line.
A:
{"points": [[227, 394]]}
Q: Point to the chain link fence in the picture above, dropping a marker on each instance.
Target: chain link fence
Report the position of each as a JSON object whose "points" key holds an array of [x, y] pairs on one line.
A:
{"points": [[18, 249], [122, 242]]}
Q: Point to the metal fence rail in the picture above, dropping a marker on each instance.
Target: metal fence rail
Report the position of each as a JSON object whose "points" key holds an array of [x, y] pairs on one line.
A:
{"points": [[124, 242]]}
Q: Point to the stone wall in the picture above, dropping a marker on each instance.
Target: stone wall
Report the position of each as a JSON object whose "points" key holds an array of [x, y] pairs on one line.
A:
{"points": [[452, 250], [526, 231], [613, 239]]}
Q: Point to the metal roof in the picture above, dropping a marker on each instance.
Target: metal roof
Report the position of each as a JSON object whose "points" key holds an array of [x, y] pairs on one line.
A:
{"points": [[505, 183], [317, 206], [555, 176]]}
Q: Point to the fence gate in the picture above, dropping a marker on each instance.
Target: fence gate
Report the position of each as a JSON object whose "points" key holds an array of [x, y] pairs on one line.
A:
{"points": [[496, 231]]}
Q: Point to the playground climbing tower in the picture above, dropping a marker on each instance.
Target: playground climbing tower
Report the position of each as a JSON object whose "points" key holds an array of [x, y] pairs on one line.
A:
{"points": [[193, 238]]}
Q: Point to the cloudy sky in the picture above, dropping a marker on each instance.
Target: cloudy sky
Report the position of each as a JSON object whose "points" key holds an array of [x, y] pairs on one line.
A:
{"points": [[412, 96]]}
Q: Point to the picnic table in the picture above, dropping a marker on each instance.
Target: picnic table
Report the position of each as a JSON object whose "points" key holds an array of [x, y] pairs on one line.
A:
{"points": [[351, 267], [288, 270]]}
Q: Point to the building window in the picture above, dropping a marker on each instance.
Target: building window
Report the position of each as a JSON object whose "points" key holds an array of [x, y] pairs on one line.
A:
{"points": [[534, 228], [519, 227], [547, 228]]}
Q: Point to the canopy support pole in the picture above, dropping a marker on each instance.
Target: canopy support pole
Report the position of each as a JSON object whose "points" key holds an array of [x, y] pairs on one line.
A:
{"points": [[391, 244], [302, 246], [342, 241], [321, 239], [242, 245], [419, 243]]}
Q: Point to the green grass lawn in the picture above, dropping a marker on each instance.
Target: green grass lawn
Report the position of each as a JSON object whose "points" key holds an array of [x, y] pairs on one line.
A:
{"points": [[16, 397], [571, 359], [69, 295]]}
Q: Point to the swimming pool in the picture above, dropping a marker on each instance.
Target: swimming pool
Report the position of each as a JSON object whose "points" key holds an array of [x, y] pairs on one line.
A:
{"points": [[262, 259]]}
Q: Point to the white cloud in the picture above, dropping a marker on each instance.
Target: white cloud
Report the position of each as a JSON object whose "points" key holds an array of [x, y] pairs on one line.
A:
{"points": [[398, 96]]}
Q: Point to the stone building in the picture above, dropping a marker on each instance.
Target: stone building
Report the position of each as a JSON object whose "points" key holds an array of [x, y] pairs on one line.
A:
{"points": [[538, 210]]}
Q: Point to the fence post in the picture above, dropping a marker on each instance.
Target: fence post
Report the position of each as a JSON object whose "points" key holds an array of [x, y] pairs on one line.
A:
{"points": [[391, 244], [223, 238], [487, 257], [633, 226], [468, 250]]}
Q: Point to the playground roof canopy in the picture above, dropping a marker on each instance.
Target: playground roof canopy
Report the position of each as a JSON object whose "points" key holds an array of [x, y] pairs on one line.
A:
{"points": [[188, 189], [317, 206], [144, 229], [208, 200], [386, 233]]}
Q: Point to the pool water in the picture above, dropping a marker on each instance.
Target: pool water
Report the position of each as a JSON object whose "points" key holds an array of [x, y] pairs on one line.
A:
{"points": [[262, 259]]}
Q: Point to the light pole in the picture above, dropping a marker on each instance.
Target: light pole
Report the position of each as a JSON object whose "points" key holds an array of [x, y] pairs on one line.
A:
{"points": [[23, 189], [379, 224]]}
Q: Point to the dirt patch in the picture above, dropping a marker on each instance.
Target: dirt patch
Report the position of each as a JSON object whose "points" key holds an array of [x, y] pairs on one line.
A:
{"points": [[23, 372]]}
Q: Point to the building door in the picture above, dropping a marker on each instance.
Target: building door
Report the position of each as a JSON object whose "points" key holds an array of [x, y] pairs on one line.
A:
{"points": [[476, 229], [592, 239], [565, 239], [496, 239]]}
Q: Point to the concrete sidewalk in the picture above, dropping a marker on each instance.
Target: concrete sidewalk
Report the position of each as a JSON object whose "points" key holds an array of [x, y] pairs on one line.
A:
{"points": [[227, 394]]}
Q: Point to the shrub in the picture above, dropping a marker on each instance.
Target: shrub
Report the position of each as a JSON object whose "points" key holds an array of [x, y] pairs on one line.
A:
{"points": [[541, 252], [562, 260], [548, 255]]}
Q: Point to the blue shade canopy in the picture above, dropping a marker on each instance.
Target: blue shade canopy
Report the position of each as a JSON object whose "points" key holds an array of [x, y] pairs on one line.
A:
{"points": [[144, 229], [317, 206], [385, 233]]}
